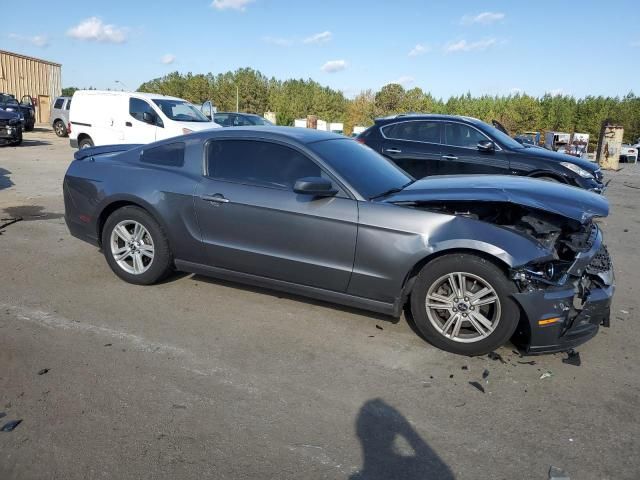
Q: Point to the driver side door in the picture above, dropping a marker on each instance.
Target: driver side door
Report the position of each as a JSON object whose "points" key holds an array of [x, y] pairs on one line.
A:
{"points": [[136, 129], [253, 222], [460, 154]]}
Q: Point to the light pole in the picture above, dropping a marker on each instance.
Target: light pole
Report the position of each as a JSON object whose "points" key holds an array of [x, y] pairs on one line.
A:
{"points": [[125, 87]]}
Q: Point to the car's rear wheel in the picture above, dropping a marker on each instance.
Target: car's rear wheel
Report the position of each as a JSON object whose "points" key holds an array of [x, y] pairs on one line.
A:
{"points": [[60, 128], [462, 303], [86, 142], [18, 141], [135, 246]]}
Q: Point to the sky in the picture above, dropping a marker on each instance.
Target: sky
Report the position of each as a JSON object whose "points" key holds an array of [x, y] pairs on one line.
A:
{"points": [[445, 47]]}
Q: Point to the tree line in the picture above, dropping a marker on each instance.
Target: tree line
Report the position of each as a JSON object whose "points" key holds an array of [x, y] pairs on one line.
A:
{"points": [[297, 98]]}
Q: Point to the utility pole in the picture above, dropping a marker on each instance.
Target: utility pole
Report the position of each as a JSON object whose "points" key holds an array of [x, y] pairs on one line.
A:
{"points": [[237, 99]]}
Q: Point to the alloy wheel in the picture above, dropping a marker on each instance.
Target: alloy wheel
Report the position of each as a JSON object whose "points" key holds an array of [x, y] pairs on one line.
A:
{"points": [[463, 307], [132, 247]]}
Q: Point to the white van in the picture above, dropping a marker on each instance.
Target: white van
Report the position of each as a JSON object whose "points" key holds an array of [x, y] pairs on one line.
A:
{"points": [[109, 118]]}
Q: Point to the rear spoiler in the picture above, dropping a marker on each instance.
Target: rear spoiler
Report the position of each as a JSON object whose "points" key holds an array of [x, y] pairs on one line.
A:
{"points": [[90, 152]]}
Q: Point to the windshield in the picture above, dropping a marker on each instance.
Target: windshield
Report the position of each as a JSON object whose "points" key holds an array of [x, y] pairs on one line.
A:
{"points": [[180, 111], [367, 171], [501, 137]]}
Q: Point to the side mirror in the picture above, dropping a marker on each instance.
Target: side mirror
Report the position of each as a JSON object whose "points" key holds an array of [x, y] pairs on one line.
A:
{"points": [[316, 186], [148, 118], [486, 146]]}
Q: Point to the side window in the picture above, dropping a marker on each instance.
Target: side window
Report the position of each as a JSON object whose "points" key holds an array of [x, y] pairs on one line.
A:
{"points": [[59, 103], [222, 119], [170, 155], [419, 131], [68, 105], [259, 163], [138, 107], [460, 135]]}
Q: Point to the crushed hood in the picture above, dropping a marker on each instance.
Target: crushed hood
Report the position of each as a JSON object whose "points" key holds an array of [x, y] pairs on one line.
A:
{"points": [[570, 202]]}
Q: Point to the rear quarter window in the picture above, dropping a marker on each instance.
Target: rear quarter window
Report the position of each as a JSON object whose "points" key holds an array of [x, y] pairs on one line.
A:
{"points": [[169, 155], [59, 103]]}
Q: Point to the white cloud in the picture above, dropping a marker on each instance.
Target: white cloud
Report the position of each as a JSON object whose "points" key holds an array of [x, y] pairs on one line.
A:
{"points": [[464, 46], [240, 5], [279, 41], [319, 38], [92, 29], [333, 66], [405, 80], [484, 18], [168, 58], [37, 40], [419, 49]]}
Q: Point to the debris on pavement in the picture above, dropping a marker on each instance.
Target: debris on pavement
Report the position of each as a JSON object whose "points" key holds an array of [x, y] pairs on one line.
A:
{"points": [[43, 371], [573, 358], [464, 367], [5, 222], [624, 311], [495, 356], [530, 362], [556, 473], [379, 327], [108, 344], [10, 426], [485, 374], [477, 385], [546, 374]]}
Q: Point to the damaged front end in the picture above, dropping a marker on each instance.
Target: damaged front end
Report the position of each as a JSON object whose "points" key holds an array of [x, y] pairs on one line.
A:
{"points": [[567, 299], [563, 299]]}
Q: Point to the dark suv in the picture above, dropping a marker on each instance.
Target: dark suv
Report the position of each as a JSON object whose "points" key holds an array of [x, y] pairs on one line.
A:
{"points": [[24, 108], [432, 144]]}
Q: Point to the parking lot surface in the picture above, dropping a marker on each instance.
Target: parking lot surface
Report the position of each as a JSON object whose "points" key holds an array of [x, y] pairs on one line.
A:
{"points": [[199, 378]]}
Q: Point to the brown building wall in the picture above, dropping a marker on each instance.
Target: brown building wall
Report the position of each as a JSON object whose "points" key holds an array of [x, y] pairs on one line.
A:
{"points": [[21, 75]]}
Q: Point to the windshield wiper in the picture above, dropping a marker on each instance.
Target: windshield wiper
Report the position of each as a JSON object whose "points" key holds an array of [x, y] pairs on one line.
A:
{"points": [[391, 190]]}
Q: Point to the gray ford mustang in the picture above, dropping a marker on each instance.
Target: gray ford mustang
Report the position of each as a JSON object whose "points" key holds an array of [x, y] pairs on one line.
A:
{"points": [[477, 260]]}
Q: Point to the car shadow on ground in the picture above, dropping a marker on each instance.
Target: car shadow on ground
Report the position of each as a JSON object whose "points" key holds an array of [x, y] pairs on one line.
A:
{"points": [[391, 448], [40, 129], [33, 143], [5, 181], [289, 296]]}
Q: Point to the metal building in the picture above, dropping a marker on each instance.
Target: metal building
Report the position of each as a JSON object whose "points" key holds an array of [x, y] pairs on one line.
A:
{"points": [[22, 75]]}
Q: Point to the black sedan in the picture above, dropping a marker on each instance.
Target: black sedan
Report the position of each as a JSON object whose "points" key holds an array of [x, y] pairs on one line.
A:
{"points": [[10, 128], [425, 145], [478, 259]]}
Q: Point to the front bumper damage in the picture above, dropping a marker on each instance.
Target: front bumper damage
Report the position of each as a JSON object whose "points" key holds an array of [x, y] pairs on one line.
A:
{"points": [[569, 312]]}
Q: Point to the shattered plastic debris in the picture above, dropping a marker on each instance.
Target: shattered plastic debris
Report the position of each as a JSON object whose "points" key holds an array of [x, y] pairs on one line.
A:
{"points": [[556, 473], [43, 371], [573, 358], [10, 426], [530, 362], [9, 221], [624, 311], [464, 367], [477, 385], [495, 356], [485, 374], [108, 344], [546, 375], [379, 327]]}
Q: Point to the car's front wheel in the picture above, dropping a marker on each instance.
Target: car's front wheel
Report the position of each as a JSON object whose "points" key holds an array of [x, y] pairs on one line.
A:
{"points": [[60, 128], [86, 142], [135, 246], [462, 303]]}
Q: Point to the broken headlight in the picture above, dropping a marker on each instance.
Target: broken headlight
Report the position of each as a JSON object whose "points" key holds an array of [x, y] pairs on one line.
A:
{"points": [[549, 272], [576, 169]]}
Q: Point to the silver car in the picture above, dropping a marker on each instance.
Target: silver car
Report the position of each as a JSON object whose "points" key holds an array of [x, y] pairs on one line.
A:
{"points": [[60, 116]]}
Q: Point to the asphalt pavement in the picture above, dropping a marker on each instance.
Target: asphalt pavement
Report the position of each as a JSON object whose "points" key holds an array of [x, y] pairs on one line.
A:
{"points": [[198, 378]]}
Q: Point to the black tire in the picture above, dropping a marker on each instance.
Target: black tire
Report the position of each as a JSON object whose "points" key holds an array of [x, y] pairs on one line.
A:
{"points": [[506, 319], [29, 127], [161, 264], [17, 142], [86, 142], [60, 128]]}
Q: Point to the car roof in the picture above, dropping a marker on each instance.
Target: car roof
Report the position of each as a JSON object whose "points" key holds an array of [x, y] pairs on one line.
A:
{"points": [[425, 116], [299, 135], [148, 96]]}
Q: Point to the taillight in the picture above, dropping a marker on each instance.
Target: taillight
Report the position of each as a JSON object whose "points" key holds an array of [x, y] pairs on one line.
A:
{"points": [[359, 139]]}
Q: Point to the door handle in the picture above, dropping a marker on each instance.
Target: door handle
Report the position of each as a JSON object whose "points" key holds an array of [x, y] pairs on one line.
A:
{"points": [[128, 124], [217, 198], [392, 150], [449, 157]]}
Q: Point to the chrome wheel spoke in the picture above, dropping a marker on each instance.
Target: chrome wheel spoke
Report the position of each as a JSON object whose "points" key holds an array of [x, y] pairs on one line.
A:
{"points": [[146, 250], [138, 266], [132, 247], [463, 307], [121, 254], [123, 233]]}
